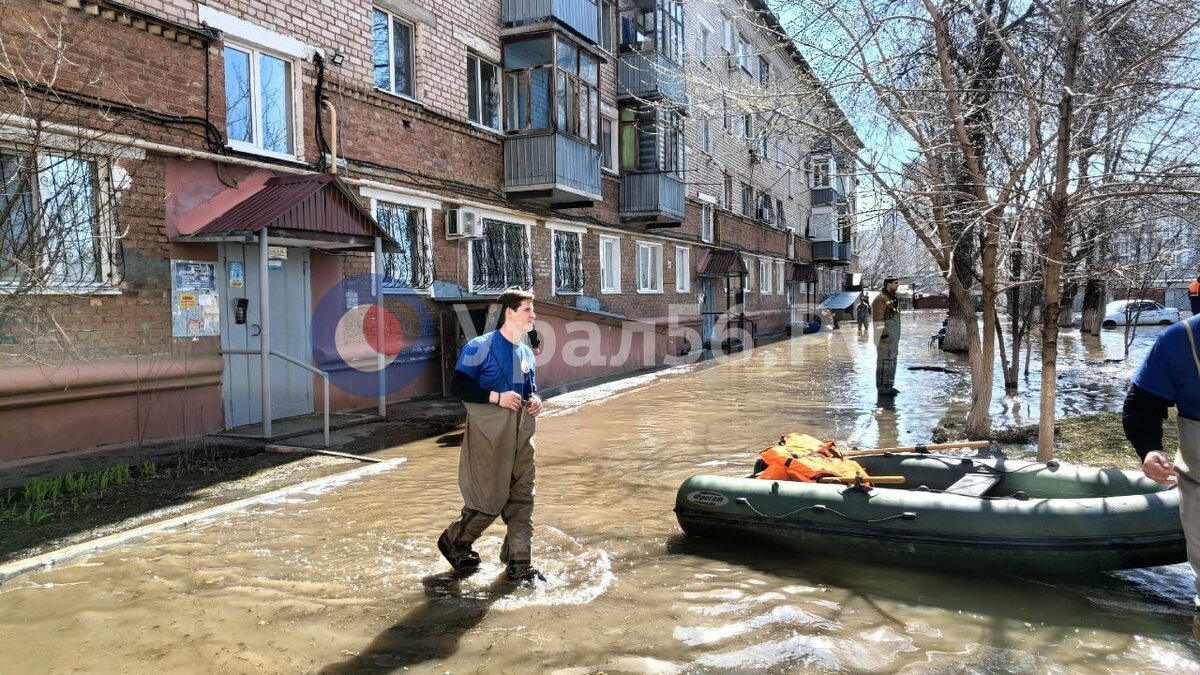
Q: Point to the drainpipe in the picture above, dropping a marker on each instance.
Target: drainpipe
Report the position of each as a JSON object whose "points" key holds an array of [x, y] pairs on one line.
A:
{"points": [[333, 136], [379, 326], [264, 333]]}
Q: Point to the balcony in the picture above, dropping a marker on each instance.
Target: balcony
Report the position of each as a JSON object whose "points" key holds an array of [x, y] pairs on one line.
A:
{"points": [[580, 16], [552, 169], [653, 199], [649, 75], [845, 252], [826, 195], [826, 251]]}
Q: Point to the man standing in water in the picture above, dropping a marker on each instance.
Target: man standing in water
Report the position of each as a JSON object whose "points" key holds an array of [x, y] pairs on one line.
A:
{"points": [[862, 312], [495, 379], [885, 313], [1170, 376]]}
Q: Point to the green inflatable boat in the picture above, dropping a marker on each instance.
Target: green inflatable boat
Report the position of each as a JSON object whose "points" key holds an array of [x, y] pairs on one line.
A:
{"points": [[951, 512]]}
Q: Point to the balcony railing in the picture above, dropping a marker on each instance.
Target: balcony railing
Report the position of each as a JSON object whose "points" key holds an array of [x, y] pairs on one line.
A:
{"points": [[652, 197], [552, 167], [845, 252], [645, 75], [826, 250], [578, 15], [826, 195]]}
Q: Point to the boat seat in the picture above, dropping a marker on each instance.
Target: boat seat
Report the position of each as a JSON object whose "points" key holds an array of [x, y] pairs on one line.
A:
{"points": [[974, 484]]}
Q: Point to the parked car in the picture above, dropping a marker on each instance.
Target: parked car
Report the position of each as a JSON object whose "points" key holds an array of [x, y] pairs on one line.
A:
{"points": [[1139, 312]]}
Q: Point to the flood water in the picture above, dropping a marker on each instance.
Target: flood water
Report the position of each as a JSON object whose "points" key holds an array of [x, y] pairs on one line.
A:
{"points": [[349, 580]]}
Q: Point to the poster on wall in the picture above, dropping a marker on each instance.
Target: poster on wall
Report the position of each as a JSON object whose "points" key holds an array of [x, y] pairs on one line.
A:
{"points": [[195, 311]]}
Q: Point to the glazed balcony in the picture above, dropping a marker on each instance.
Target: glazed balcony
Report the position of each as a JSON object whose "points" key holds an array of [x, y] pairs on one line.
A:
{"points": [[649, 75]]}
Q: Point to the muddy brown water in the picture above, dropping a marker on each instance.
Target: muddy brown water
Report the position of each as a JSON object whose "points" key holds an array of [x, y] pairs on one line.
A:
{"points": [[348, 579]]}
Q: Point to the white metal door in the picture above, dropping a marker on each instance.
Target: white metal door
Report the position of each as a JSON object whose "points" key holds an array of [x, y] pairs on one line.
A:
{"points": [[290, 329]]}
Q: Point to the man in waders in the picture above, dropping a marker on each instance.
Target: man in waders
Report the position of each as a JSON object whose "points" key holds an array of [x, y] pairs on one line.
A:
{"points": [[1170, 376], [862, 312], [496, 381], [885, 314]]}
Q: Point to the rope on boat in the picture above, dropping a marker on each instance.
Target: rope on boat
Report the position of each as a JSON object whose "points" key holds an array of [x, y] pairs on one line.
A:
{"points": [[821, 508]]}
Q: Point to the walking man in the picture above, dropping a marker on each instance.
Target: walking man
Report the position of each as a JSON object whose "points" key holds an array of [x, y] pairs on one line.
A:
{"points": [[495, 378], [885, 313], [1170, 376], [863, 312]]}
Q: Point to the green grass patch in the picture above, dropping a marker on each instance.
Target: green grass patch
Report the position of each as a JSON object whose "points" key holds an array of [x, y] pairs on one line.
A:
{"points": [[1099, 440]]}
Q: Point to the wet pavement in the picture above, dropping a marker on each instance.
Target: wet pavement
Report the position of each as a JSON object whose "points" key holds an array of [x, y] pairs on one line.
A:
{"points": [[347, 579]]}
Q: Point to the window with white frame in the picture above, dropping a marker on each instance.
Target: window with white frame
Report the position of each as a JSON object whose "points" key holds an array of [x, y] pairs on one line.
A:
{"points": [[765, 273], [791, 245], [568, 262], [706, 134], [500, 259], [392, 53], [683, 269], [748, 261], [58, 233], [483, 92], [727, 193], [747, 200], [608, 22], [705, 42], [610, 264], [412, 266], [649, 267], [608, 143], [708, 223], [779, 277], [258, 100]]}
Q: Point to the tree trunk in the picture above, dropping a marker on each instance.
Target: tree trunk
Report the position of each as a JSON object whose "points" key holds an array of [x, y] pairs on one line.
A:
{"points": [[1093, 306], [1059, 211], [956, 332], [1066, 313]]}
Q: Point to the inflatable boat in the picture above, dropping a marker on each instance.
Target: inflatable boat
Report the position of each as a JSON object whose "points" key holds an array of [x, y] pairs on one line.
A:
{"points": [[951, 512]]}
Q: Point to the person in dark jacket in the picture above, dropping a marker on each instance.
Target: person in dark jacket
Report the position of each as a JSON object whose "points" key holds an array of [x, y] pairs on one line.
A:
{"points": [[1170, 376], [885, 313], [496, 380]]}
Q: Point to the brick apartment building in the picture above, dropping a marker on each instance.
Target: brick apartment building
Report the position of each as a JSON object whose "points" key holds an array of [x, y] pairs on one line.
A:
{"points": [[652, 169]]}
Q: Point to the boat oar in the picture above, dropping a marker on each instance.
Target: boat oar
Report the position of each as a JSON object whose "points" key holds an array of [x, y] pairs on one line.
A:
{"points": [[918, 448], [878, 480]]}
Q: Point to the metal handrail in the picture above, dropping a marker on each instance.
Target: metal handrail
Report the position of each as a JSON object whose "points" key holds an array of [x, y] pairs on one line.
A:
{"points": [[312, 369]]}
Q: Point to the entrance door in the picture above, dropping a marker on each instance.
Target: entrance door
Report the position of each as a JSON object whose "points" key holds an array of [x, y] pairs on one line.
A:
{"points": [[291, 387], [708, 309], [791, 302]]}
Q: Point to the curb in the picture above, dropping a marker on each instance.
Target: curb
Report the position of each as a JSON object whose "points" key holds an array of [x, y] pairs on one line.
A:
{"points": [[11, 570]]}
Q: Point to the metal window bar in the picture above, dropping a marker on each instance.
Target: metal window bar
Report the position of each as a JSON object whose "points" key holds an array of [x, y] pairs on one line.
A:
{"points": [[501, 258], [568, 263]]}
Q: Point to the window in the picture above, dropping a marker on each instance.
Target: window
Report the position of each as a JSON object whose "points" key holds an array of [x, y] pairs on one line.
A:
{"points": [[412, 267], [548, 71], [649, 267], [708, 221], [747, 200], [610, 264], [608, 143], [791, 245], [727, 33], [568, 262], [764, 208], [651, 139], [392, 53], [58, 233], [747, 126], [683, 269], [748, 261], [779, 277], [500, 259], [765, 274], [258, 100], [706, 135], [727, 193], [779, 217], [653, 26], [820, 171], [764, 71], [705, 43], [725, 113], [608, 17], [744, 53], [483, 92]]}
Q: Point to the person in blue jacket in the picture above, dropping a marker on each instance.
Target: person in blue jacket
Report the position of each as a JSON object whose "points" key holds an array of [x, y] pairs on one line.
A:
{"points": [[1170, 376], [496, 379]]}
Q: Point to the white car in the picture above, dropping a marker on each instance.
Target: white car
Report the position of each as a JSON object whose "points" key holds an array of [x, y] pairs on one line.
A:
{"points": [[1139, 312]]}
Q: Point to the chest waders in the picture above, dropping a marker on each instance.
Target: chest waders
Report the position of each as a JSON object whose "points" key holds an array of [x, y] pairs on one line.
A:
{"points": [[496, 478], [1187, 464], [887, 350]]}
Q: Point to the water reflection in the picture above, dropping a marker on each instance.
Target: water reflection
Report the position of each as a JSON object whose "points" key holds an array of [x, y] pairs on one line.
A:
{"points": [[350, 579]]}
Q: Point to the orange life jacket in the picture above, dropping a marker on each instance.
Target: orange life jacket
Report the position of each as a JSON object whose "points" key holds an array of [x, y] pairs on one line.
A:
{"points": [[784, 463], [1194, 289], [809, 444]]}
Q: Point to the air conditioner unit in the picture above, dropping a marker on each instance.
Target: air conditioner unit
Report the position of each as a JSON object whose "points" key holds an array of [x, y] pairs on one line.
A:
{"points": [[463, 224]]}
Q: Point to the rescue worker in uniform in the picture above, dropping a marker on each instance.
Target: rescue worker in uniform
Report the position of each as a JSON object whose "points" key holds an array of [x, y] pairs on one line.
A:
{"points": [[885, 314], [496, 380], [863, 312], [1170, 376]]}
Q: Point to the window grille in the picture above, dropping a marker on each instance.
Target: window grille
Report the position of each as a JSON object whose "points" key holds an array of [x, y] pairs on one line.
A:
{"points": [[500, 259]]}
